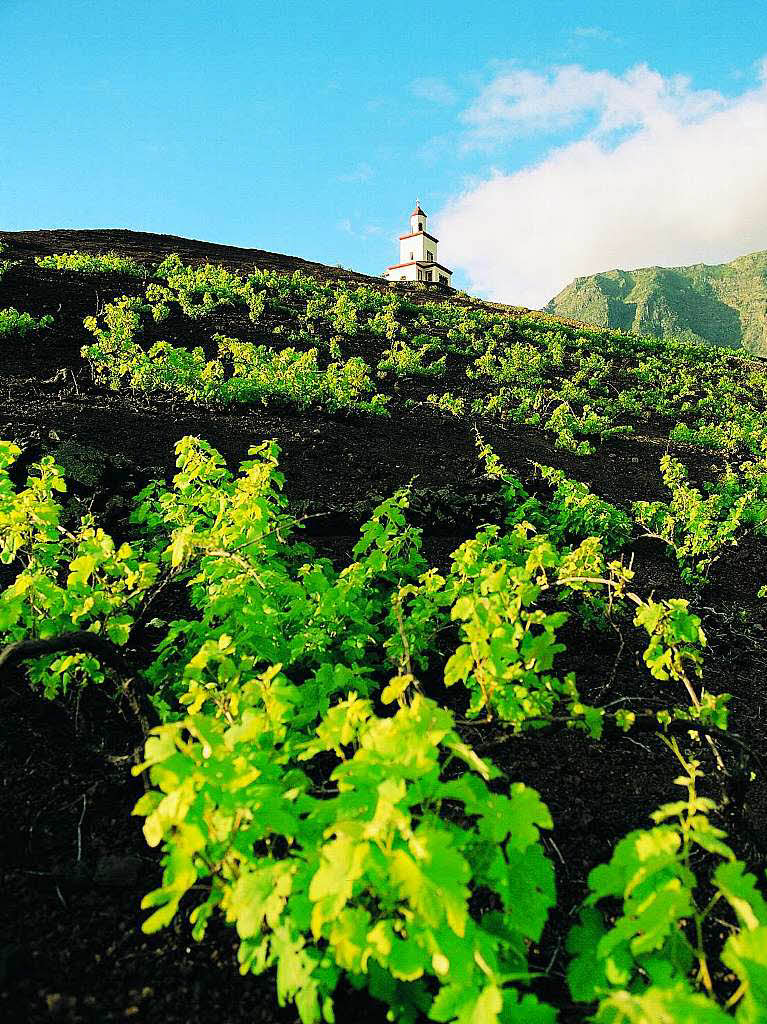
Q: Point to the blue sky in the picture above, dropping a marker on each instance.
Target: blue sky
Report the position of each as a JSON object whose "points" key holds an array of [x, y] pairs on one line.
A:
{"points": [[310, 129]]}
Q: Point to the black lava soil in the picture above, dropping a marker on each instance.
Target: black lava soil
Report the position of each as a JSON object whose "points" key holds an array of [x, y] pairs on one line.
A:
{"points": [[74, 861]]}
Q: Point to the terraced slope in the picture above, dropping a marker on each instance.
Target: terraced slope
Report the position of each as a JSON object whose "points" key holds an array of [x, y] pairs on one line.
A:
{"points": [[366, 389]]}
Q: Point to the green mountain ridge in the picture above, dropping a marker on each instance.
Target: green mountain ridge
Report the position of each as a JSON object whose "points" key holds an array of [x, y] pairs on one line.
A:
{"points": [[722, 304]]}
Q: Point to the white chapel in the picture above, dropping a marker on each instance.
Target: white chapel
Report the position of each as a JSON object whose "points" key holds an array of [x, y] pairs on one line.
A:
{"points": [[418, 254]]}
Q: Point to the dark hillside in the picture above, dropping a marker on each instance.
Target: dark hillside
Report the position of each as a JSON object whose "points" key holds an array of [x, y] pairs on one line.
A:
{"points": [[142, 245], [380, 388]]}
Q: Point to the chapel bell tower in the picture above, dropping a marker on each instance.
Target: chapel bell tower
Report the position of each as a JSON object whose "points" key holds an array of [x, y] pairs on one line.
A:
{"points": [[418, 254], [417, 219]]}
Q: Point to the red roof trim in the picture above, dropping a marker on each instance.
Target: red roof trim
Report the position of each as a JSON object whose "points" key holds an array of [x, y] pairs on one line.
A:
{"points": [[420, 263], [418, 212], [414, 233]]}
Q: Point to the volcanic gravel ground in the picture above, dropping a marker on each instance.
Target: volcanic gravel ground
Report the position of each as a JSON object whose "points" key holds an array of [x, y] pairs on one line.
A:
{"points": [[74, 861]]}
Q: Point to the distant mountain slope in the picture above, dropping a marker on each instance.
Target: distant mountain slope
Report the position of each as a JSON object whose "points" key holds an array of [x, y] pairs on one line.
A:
{"points": [[724, 304]]}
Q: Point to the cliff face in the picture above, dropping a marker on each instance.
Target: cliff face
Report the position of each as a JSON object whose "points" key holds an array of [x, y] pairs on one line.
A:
{"points": [[723, 305]]}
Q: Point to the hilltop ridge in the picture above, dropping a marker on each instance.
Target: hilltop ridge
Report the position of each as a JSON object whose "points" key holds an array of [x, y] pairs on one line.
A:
{"points": [[149, 245]]}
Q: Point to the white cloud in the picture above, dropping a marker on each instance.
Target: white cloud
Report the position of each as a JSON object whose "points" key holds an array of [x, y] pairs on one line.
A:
{"points": [[363, 231], [600, 35], [661, 175], [357, 175], [520, 102], [435, 90]]}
